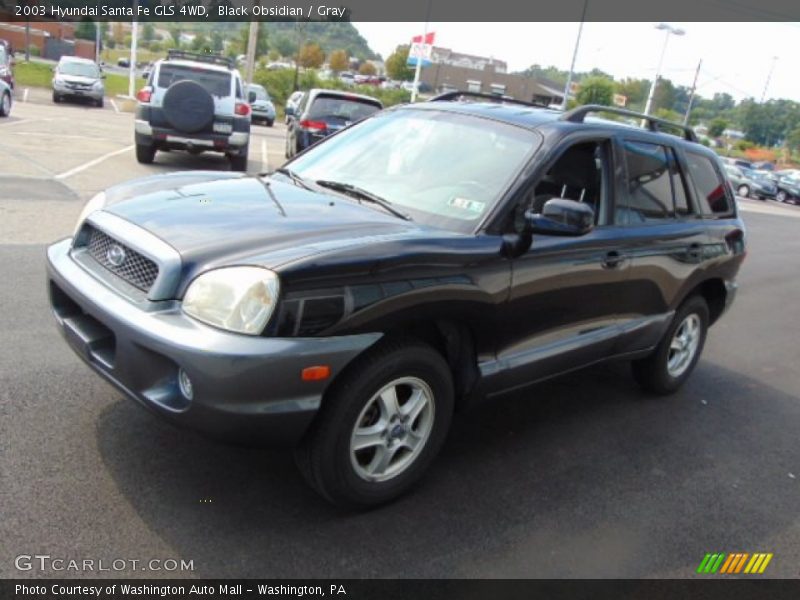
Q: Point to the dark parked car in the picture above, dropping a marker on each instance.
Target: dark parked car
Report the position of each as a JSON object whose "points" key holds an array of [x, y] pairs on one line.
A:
{"points": [[788, 190], [428, 257], [291, 105], [323, 112]]}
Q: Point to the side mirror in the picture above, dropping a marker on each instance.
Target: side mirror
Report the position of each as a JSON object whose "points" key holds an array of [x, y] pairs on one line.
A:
{"points": [[289, 111], [251, 97], [561, 217]]}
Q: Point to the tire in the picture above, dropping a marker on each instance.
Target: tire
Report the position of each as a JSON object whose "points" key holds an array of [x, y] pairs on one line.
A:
{"points": [[5, 105], [100, 103], [188, 107], [145, 154], [56, 98], [654, 373], [781, 196], [270, 122], [239, 161], [743, 191], [326, 457]]}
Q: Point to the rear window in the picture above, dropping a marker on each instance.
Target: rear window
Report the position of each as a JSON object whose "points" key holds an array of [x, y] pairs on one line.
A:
{"points": [[347, 109], [216, 83], [711, 188]]}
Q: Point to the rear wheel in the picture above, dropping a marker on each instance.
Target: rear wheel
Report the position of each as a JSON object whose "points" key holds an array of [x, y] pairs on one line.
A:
{"points": [[380, 426], [145, 154], [675, 357], [239, 161], [5, 105]]}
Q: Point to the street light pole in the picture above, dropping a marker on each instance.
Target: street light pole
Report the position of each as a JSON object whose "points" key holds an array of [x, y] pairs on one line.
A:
{"points": [[574, 57], [769, 76], [134, 42], [691, 94], [668, 30]]}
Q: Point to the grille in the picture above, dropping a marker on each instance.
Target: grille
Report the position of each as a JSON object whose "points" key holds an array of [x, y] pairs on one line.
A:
{"points": [[134, 268]]}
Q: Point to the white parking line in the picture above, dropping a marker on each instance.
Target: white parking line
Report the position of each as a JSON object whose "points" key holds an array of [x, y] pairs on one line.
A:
{"points": [[264, 156], [25, 95], [12, 123], [114, 104], [93, 162]]}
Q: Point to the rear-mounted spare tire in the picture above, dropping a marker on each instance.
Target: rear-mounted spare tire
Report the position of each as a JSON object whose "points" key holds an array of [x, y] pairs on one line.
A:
{"points": [[188, 107]]}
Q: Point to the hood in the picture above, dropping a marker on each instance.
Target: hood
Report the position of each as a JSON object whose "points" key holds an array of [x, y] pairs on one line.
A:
{"points": [[77, 79], [213, 218]]}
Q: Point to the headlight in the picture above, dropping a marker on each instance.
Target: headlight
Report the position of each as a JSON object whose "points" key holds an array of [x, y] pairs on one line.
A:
{"points": [[239, 299], [98, 85], [96, 203]]}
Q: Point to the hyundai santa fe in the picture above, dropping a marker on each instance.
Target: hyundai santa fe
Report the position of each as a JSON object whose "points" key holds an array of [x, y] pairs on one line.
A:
{"points": [[428, 257]]}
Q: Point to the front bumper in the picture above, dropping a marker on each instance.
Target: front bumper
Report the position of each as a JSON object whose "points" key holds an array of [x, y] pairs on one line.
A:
{"points": [[92, 93], [245, 389], [263, 113]]}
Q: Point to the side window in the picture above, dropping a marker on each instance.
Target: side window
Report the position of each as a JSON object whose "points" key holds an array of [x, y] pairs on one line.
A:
{"points": [[711, 188], [656, 190], [239, 93], [580, 173]]}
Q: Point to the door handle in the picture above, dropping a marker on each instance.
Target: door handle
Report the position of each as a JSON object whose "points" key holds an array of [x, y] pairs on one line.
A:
{"points": [[613, 259]]}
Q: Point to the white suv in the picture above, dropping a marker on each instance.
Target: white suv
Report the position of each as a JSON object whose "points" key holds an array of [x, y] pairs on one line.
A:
{"points": [[193, 102]]}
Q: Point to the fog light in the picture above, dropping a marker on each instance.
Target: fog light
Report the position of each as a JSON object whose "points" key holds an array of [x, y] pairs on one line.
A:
{"points": [[185, 384]]}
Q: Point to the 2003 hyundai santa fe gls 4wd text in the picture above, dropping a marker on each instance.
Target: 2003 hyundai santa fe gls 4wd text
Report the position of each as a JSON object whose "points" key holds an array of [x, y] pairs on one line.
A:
{"points": [[428, 256]]}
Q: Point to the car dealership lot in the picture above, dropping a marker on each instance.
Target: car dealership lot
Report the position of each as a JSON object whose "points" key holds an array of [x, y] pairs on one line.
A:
{"points": [[581, 476]]}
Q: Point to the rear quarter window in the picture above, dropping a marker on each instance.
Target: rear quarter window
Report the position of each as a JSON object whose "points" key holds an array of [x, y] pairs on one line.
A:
{"points": [[216, 83], [712, 190]]}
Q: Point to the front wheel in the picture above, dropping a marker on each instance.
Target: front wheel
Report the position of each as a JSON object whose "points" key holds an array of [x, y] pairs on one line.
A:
{"points": [[781, 196], [744, 191], [380, 426], [145, 154], [675, 357]]}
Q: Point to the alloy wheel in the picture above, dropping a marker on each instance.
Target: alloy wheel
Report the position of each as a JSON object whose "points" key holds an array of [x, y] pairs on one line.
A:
{"points": [[684, 344]]}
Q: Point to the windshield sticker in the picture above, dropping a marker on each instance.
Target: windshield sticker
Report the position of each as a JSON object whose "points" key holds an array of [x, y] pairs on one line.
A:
{"points": [[466, 204]]}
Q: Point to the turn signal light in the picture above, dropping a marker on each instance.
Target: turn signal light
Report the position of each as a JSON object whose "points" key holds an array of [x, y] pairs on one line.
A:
{"points": [[315, 373], [144, 94], [305, 123], [242, 109]]}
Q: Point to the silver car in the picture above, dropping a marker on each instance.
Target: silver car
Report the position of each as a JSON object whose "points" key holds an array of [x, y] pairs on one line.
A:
{"points": [[76, 77], [261, 103], [6, 99]]}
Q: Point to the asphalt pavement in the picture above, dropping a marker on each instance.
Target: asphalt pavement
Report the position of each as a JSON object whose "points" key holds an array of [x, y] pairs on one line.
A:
{"points": [[583, 476]]}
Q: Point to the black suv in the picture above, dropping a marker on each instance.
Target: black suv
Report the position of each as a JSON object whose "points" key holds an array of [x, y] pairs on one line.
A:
{"points": [[427, 257]]}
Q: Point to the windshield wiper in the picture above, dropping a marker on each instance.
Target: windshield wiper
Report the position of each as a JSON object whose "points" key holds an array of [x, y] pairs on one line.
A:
{"points": [[362, 194], [296, 179]]}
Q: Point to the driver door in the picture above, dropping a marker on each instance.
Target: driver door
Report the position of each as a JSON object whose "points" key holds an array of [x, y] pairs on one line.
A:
{"points": [[562, 311]]}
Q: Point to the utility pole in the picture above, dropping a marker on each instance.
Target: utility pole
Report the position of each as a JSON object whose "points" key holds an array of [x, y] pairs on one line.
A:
{"points": [[769, 76], [691, 94], [574, 57], [669, 30], [97, 42], [252, 42], [28, 41], [134, 41]]}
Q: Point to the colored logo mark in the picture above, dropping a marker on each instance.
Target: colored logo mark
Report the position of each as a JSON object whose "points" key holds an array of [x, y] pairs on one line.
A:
{"points": [[737, 562]]}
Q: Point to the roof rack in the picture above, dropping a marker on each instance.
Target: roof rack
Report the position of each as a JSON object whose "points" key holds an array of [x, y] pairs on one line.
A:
{"points": [[214, 59], [577, 115], [458, 95]]}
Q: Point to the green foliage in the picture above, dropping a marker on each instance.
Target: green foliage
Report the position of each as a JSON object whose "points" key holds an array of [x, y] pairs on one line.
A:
{"points": [[338, 61], [148, 32], [596, 90], [396, 67], [284, 45], [716, 127], [33, 51], [793, 139], [86, 30]]}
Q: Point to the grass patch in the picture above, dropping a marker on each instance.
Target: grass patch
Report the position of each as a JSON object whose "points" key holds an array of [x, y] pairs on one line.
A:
{"points": [[34, 74]]}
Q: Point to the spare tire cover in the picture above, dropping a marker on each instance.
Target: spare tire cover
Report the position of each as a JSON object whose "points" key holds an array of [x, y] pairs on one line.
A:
{"points": [[188, 106]]}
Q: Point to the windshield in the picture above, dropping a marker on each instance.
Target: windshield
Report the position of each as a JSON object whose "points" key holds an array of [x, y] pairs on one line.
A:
{"points": [[444, 169], [79, 69], [260, 92], [345, 109], [216, 83]]}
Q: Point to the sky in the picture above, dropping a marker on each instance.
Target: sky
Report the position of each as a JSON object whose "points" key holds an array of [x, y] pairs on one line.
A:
{"points": [[737, 57]]}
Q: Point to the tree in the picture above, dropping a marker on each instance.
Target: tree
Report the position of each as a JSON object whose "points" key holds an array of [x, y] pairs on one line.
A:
{"points": [[338, 61], [793, 140], [217, 41], [148, 33], [396, 66], [635, 90], [86, 30], [367, 68], [284, 45], [311, 56], [716, 127], [596, 90], [262, 44]]}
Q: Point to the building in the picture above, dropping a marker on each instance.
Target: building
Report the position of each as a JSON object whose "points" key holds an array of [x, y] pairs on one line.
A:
{"points": [[445, 56], [52, 39], [443, 77]]}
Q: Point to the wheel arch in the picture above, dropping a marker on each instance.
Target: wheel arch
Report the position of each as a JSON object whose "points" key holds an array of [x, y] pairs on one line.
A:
{"points": [[714, 292]]}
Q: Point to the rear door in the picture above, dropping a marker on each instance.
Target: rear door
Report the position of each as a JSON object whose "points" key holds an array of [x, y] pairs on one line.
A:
{"points": [[665, 237]]}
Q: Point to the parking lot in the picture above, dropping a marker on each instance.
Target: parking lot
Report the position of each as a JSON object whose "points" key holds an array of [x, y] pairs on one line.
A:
{"points": [[583, 476]]}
